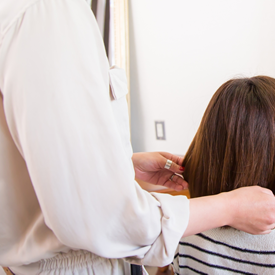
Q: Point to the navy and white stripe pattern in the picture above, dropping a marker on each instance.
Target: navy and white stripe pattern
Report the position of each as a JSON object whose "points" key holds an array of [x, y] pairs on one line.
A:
{"points": [[226, 251]]}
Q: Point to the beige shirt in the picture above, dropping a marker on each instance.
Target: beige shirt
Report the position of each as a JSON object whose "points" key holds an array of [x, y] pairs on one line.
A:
{"points": [[66, 175]]}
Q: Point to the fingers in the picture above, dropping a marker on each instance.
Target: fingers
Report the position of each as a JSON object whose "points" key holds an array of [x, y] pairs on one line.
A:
{"points": [[176, 182], [173, 167], [176, 178], [267, 191], [265, 232], [176, 168], [261, 232], [175, 186], [177, 159]]}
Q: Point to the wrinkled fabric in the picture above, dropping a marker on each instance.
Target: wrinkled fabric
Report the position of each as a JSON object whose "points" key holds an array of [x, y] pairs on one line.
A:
{"points": [[78, 263], [66, 176]]}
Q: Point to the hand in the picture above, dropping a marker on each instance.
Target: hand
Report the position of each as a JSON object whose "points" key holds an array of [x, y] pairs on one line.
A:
{"points": [[254, 209], [149, 167], [250, 209]]}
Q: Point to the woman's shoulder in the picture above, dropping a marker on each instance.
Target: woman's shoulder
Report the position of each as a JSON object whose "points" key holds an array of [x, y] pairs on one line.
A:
{"points": [[230, 238]]}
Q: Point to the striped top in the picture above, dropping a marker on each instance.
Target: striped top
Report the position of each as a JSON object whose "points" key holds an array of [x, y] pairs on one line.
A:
{"points": [[226, 251]]}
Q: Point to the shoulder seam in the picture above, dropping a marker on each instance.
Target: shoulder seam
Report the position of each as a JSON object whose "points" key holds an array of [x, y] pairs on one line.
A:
{"points": [[3, 32]]}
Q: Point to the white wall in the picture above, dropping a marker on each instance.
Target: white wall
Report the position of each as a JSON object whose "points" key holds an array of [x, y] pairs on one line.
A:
{"points": [[182, 51]]}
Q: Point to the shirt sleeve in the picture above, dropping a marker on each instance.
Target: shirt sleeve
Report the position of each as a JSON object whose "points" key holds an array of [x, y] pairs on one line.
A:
{"points": [[55, 86]]}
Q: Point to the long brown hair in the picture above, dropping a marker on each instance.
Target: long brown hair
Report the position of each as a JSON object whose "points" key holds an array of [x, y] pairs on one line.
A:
{"points": [[235, 143]]}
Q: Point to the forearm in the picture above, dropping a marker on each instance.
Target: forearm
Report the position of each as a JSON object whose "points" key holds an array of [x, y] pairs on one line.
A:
{"points": [[250, 209], [207, 213]]}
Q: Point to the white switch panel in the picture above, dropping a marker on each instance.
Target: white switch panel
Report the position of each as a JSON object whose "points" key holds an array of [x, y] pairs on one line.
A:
{"points": [[160, 130]]}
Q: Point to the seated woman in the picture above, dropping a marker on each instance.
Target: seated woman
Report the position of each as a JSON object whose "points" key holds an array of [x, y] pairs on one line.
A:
{"points": [[233, 147]]}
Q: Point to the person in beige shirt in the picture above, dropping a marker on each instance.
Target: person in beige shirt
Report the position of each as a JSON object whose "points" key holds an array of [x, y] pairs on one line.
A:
{"points": [[69, 202]]}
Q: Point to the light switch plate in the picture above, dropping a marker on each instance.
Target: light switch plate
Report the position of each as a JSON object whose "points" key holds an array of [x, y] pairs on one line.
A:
{"points": [[160, 130]]}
